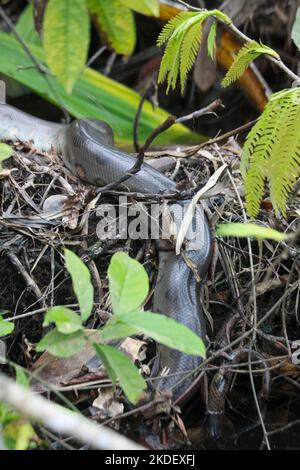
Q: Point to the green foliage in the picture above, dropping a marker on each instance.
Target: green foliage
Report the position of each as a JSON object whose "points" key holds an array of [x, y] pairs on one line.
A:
{"points": [[161, 328], [82, 285], [66, 39], [296, 29], [6, 327], [145, 7], [128, 287], [247, 54], [94, 95], [5, 153], [184, 34], [119, 367], [272, 152], [116, 24], [128, 283], [62, 345], [65, 319], [211, 40], [249, 230]]}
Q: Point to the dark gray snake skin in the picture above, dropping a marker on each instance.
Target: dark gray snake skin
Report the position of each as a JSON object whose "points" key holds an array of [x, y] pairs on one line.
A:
{"points": [[87, 150]]}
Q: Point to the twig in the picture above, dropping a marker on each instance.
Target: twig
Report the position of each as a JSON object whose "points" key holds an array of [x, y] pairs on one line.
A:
{"points": [[169, 122], [61, 420], [31, 284]]}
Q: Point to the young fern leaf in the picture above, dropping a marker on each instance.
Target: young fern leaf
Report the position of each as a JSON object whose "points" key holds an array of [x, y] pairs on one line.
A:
{"points": [[183, 34], [247, 54], [272, 152], [211, 40]]}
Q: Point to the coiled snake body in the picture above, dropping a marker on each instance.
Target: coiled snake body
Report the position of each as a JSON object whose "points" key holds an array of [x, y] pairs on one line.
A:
{"points": [[87, 150]]}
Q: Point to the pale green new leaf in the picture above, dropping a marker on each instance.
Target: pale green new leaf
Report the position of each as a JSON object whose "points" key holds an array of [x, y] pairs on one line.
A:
{"points": [[145, 7], [249, 230], [247, 54], [65, 319], [211, 40], [82, 284], [296, 29], [6, 327], [128, 283], [5, 152], [165, 331], [272, 152], [66, 39], [25, 27], [119, 367], [115, 22], [183, 34], [62, 345]]}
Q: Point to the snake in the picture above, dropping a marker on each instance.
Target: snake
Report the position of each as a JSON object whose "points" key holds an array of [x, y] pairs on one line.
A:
{"points": [[87, 149]]}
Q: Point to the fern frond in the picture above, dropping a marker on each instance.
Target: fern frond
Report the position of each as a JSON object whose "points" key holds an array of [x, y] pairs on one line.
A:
{"points": [[183, 33], [189, 51], [211, 40], [247, 54], [272, 152], [172, 25]]}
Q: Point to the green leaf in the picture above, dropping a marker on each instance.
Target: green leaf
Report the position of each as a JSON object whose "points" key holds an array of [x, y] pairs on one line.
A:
{"points": [[94, 95], [128, 283], [296, 29], [211, 40], [82, 284], [66, 39], [61, 345], [5, 152], [25, 27], [165, 331], [65, 319], [145, 7], [6, 327], [119, 367], [247, 54], [116, 24], [21, 377], [114, 329], [249, 230]]}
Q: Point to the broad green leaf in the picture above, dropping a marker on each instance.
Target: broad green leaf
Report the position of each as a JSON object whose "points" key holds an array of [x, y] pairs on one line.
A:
{"points": [[5, 152], [94, 96], [61, 345], [82, 284], [6, 327], [249, 230], [119, 367], [165, 331], [296, 29], [145, 7], [115, 22], [128, 283], [66, 39], [65, 319], [114, 329]]}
